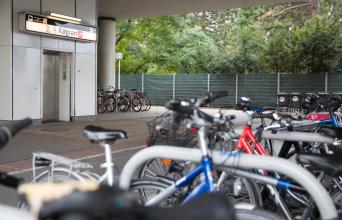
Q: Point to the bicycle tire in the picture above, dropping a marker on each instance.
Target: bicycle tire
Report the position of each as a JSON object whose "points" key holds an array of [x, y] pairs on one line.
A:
{"points": [[122, 104], [148, 103], [142, 188], [59, 176], [129, 103], [136, 104], [101, 109], [110, 105], [145, 102]]}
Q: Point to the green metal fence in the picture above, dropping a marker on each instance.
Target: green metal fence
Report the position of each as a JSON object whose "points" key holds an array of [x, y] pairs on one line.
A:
{"points": [[261, 88]]}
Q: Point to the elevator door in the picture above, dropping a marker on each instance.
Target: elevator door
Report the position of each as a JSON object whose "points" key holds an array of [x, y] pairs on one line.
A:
{"points": [[56, 86]]}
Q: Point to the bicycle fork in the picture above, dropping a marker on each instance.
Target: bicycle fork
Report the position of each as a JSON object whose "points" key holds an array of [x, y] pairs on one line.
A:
{"points": [[279, 202]]}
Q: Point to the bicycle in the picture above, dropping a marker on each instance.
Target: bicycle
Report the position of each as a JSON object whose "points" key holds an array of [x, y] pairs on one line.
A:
{"points": [[61, 169], [299, 174], [80, 204], [319, 146], [149, 202], [162, 131]]}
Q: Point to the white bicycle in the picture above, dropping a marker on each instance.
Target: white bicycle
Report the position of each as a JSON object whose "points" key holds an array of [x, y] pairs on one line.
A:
{"points": [[60, 169]]}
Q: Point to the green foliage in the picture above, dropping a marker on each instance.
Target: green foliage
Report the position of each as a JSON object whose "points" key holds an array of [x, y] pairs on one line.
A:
{"points": [[197, 53], [317, 45], [270, 39]]}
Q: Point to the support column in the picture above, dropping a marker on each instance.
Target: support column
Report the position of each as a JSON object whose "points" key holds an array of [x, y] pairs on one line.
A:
{"points": [[106, 53]]}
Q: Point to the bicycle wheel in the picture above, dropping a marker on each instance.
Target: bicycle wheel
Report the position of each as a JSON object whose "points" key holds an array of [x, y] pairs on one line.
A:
{"points": [[248, 194], [144, 190], [136, 104], [59, 175], [148, 103], [110, 104], [100, 105], [122, 104], [170, 169]]}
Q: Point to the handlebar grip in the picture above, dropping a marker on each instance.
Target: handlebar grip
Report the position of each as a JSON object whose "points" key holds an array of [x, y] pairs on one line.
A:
{"points": [[19, 125], [175, 105], [9, 180], [217, 94], [11, 130]]}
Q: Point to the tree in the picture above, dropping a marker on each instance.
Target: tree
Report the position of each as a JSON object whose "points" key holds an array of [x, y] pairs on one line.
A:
{"points": [[294, 38], [317, 45], [197, 52]]}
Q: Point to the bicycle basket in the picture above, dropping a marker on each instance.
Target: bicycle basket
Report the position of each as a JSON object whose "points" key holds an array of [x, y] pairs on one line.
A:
{"points": [[161, 131]]}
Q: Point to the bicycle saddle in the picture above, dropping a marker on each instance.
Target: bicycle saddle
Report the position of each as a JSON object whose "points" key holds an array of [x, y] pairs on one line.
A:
{"points": [[108, 203], [332, 132], [331, 164], [99, 134]]}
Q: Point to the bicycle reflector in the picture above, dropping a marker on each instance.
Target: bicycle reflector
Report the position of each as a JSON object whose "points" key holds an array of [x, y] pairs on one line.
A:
{"points": [[295, 100], [283, 99]]}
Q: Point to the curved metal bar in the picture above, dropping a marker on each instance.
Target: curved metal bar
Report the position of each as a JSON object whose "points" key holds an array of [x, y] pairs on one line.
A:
{"points": [[292, 170], [297, 136]]}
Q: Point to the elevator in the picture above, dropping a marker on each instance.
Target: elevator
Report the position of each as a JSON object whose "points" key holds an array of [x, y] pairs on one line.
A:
{"points": [[57, 68]]}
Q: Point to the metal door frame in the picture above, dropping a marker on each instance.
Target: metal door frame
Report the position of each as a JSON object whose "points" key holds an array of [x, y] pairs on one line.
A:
{"points": [[71, 80]]}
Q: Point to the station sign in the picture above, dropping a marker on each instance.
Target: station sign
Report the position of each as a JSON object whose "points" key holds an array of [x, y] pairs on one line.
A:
{"points": [[47, 25]]}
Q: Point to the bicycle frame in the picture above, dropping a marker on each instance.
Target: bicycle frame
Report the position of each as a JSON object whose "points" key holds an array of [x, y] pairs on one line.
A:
{"points": [[332, 121], [248, 142], [205, 167]]}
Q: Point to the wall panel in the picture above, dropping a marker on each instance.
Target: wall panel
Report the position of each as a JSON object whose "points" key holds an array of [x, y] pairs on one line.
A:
{"points": [[85, 80], [26, 83]]}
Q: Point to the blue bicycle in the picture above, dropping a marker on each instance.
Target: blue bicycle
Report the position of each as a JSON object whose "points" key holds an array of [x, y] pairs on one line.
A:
{"points": [[181, 182]]}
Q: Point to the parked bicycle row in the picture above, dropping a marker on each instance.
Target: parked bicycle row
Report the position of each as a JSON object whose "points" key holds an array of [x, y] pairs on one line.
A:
{"points": [[308, 102], [122, 100], [283, 168]]}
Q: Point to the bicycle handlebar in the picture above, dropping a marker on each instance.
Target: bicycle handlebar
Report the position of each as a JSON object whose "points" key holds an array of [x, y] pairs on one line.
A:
{"points": [[9, 180], [7, 132], [184, 109], [179, 107]]}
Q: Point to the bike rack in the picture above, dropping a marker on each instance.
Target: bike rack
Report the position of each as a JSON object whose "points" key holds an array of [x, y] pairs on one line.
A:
{"points": [[303, 177]]}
